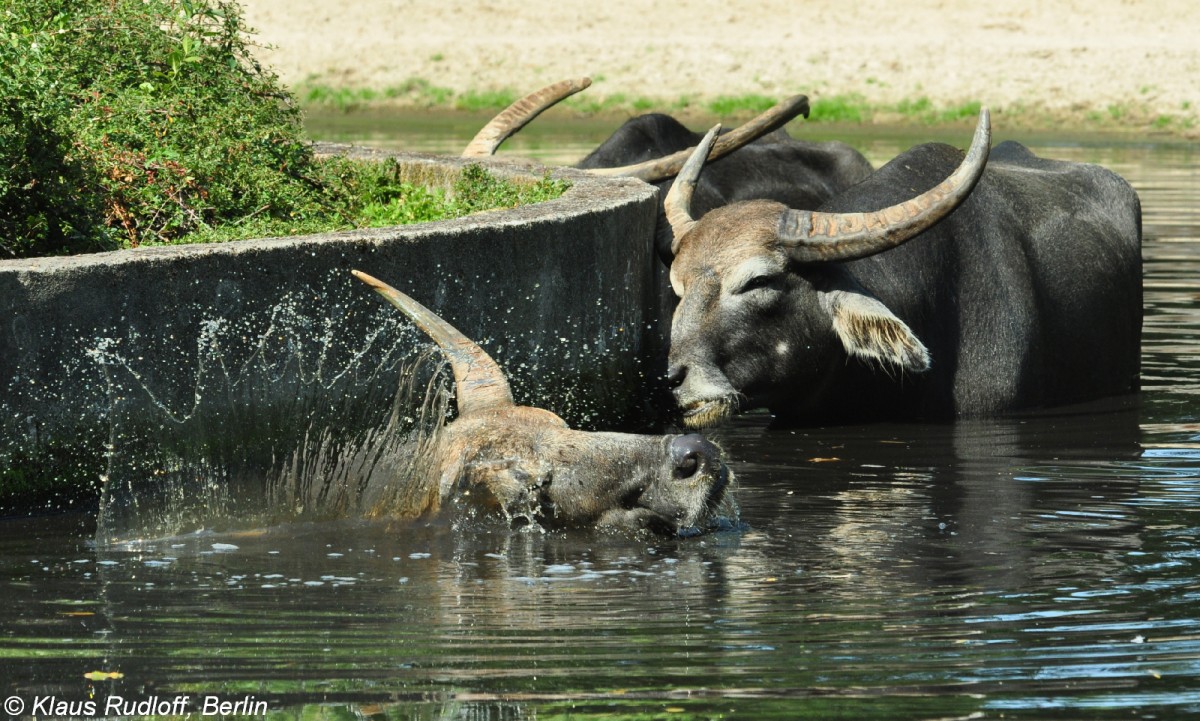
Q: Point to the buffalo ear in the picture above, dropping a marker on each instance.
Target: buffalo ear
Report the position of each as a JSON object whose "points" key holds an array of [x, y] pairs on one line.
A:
{"points": [[869, 330]]}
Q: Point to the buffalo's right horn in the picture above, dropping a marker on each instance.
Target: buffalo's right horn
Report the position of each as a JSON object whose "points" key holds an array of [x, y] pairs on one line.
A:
{"points": [[662, 168], [517, 115], [678, 203], [812, 236], [480, 382]]}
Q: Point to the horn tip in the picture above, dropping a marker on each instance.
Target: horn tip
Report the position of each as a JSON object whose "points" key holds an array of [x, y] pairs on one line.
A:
{"points": [[984, 124], [983, 130], [368, 279], [801, 102], [705, 148]]}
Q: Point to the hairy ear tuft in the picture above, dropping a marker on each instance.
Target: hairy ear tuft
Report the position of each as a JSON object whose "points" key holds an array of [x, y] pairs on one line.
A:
{"points": [[869, 330]]}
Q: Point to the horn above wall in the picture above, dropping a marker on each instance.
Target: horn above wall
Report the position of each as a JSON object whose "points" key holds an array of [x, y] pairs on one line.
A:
{"points": [[518, 115], [768, 121], [521, 112]]}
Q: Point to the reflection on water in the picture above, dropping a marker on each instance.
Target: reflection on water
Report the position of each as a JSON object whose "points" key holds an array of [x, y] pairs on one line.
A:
{"points": [[1041, 566]]}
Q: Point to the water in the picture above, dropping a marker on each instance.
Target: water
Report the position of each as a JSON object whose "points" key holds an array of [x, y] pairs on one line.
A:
{"points": [[1034, 567]]}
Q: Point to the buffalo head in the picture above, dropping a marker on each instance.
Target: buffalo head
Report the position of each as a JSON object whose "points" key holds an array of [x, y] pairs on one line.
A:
{"points": [[766, 305], [526, 463]]}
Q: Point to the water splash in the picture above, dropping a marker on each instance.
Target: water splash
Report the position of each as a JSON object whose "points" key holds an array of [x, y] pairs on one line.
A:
{"points": [[277, 418], [381, 471]]}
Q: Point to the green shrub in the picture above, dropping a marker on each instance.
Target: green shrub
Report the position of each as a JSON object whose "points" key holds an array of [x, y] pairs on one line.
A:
{"points": [[44, 200], [132, 121], [145, 122]]}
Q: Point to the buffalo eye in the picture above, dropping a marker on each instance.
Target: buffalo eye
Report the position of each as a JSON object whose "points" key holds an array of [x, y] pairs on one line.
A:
{"points": [[760, 282]]}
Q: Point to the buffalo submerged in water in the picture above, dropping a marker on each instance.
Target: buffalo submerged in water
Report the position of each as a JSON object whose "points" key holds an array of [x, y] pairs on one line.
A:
{"points": [[937, 286], [941, 286], [529, 465]]}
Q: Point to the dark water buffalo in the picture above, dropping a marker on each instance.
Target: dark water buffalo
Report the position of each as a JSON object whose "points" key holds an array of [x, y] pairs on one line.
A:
{"points": [[797, 173], [768, 163], [526, 463], [909, 295]]}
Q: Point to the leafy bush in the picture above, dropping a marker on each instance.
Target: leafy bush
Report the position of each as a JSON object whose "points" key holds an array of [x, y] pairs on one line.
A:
{"points": [[44, 201], [125, 121], [144, 122]]}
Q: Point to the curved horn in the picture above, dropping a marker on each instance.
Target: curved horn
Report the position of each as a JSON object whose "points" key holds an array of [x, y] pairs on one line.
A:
{"points": [[480, 382], [515, 116], [678, 203], [661, 168], [812, 236]]}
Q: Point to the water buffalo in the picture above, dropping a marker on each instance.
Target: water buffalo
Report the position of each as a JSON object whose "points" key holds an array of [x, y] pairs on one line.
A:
{"points": [[526, 463], [769, 163], [918, 293]]}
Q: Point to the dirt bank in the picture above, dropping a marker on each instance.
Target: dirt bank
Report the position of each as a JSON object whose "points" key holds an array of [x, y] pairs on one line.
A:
{"points": [[1135, 61]]}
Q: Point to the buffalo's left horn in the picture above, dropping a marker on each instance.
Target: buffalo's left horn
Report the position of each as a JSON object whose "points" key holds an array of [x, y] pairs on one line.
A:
{"points": [[481, 384], [662, 168], [678, 203], [517, 115], [812, 236]]}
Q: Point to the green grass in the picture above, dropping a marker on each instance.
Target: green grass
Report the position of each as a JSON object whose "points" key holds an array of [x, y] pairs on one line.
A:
{"points": [[955, 113], [735, 105], [475, 100], [416, 92], [846, 108], [345, 98], [586, 104], [917, 108], [381, 199], [388, 202], [923, 111], [839, 109]]}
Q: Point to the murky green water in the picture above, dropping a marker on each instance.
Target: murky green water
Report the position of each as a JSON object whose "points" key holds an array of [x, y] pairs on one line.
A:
{"points": [[1042, 567]]}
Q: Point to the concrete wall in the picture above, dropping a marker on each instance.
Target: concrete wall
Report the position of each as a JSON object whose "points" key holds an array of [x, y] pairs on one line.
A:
{"points": [[563, 294]]}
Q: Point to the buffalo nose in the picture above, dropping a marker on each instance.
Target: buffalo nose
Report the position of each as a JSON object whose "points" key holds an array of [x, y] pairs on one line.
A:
{"points": [[676, 374], [692, 454]]}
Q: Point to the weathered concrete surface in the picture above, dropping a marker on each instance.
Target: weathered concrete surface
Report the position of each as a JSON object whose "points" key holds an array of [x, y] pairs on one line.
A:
{"points": [[564, 294]]}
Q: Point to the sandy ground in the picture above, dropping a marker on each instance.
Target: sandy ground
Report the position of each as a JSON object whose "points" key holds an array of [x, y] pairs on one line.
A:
{"points": [[1069, 58]]}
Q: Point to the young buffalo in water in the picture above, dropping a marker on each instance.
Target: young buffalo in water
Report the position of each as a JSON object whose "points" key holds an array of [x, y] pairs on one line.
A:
{"points": [[526, 462]]}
